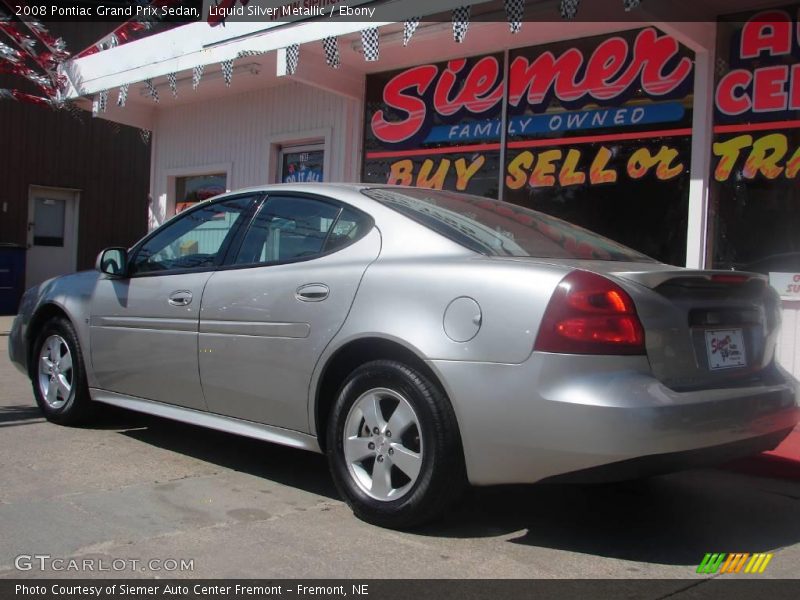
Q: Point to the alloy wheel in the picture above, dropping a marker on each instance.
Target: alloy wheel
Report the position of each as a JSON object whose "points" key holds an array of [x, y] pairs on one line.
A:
{"points": [[383, 444], [55, 371]]}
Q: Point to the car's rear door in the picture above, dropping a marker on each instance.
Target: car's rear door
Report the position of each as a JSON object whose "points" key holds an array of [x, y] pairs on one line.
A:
{"points": [[268, 315], [144, 327]]}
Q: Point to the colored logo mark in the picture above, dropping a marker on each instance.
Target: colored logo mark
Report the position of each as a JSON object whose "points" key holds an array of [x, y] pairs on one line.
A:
{"points": [[742, 562]]}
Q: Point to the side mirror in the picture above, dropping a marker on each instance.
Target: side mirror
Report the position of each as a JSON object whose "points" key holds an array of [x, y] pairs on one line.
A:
{"points": [[113, 262]]}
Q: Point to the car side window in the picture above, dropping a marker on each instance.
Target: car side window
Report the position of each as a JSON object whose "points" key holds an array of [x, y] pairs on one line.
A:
{"points": [[194, 240], [290, 228]]}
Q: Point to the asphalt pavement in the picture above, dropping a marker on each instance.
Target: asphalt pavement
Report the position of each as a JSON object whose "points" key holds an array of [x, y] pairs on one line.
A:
{"points": [[136, 489]]}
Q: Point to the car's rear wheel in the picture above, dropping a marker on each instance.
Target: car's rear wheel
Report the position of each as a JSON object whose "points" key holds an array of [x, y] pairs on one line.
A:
{"points": [[394, 447], [58, 374]]}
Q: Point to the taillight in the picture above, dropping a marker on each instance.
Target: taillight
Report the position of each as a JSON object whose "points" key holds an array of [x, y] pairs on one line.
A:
{"points": [[589, 314]]}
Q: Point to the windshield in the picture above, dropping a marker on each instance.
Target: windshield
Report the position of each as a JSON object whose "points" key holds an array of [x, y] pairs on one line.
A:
{"points": [[497, 228]]}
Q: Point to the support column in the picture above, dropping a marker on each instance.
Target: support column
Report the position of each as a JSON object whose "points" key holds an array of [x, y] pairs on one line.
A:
{"points": [[702, 139], [700, 37]]}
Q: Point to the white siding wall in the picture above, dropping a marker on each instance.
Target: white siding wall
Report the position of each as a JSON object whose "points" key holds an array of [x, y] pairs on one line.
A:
{"points": [[789, 341], [235, 132]]}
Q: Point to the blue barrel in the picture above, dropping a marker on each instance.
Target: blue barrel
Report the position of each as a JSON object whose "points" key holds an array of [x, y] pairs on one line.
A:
{"points": [[12, 277]]}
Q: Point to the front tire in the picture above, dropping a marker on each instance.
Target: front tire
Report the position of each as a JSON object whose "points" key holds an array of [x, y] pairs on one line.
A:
{"points": [[58, 374], [394, 447]]}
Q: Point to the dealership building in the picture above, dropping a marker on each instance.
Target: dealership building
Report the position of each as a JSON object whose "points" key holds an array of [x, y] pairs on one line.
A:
{"points": [[671, 127]]}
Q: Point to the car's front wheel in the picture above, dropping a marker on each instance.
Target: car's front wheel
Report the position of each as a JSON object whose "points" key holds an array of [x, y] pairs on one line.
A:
{"points": [[394, 446], [58, 374]]}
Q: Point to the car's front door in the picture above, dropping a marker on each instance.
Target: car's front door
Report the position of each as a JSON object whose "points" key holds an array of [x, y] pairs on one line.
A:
{"points": [[267, 317], [144, 326]]}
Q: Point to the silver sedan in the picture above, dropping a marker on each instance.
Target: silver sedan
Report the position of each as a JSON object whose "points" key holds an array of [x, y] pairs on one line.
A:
{"points": [[423, 339]]}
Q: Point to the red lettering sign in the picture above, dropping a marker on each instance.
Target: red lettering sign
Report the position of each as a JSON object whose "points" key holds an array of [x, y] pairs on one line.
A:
{"points": [[769, 31], [613, 68], [762, 87]]}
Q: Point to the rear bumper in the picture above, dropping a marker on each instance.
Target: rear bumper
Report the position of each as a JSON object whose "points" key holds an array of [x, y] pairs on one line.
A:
{"points": [[560, 414], [656, 464]]}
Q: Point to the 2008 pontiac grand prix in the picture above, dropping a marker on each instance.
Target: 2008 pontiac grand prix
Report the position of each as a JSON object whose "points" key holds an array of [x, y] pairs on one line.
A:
{"points": [[422, 339]]}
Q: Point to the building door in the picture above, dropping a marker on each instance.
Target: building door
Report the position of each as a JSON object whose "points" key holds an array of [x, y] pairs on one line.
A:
{"points": [[302, 164], [52, 233]]}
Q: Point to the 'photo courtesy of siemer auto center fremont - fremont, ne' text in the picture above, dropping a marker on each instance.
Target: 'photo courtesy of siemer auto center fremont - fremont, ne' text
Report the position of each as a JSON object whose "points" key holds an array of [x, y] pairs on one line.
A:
{"points": [[491, 297]]}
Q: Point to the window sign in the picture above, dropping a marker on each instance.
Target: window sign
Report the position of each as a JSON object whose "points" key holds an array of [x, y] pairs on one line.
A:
{"points": [[196, 188], [301, 166]]}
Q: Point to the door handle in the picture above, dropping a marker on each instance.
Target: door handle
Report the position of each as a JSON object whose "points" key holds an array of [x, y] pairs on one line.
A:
{"points": [[312, 292], [180, 298]]}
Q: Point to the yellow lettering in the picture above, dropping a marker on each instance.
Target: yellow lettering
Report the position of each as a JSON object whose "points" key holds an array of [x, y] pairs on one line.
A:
{"points": [[764, 156], [465, 173], [516, 176], [598, 172], [568, 174], [435, 182], [401, 173], [728, 151]]}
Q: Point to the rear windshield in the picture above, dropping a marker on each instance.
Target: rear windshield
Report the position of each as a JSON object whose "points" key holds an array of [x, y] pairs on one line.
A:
{"points": [[497, 228]]}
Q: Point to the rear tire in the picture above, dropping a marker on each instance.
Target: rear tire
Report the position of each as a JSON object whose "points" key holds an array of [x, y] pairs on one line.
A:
{"points": [[403, 478], [58, 374]]}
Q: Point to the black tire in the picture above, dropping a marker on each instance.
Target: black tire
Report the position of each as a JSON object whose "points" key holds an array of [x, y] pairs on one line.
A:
{"points": [[442, 475], [78, 408]]}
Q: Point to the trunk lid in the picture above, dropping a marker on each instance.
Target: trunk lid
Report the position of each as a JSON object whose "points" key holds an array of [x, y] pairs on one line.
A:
{"points": [[703, 328]]}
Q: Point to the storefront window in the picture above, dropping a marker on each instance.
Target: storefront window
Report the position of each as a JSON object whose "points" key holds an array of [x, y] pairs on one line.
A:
{"points": [[598, 133], [196, 188], [613, 156], [755, 199]]}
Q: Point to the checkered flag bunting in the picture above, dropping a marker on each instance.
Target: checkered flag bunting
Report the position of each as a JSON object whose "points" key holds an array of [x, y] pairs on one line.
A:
{"points": [[292, 58], [227, 71], [460, 23], [248, 53], [409, 27], [370, 41], [151, 89], [197, 75], [514, 11], [172, 79], [145, 134], [103, 100], [569, 8], [629, 5], [720, 66], [331, 47], [122, 95]]}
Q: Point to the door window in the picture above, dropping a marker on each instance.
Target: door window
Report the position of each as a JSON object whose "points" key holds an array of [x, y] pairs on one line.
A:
{"points": [[48, 222], [195, 240], [293, 228]]}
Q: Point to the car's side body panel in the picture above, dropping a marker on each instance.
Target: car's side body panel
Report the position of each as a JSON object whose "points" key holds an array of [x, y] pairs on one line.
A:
{"points": [[259, 339], [143, 346], [71, 295]]}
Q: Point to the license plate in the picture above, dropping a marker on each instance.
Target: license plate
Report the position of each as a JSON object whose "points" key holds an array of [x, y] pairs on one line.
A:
{"points": [[725, 349]]}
